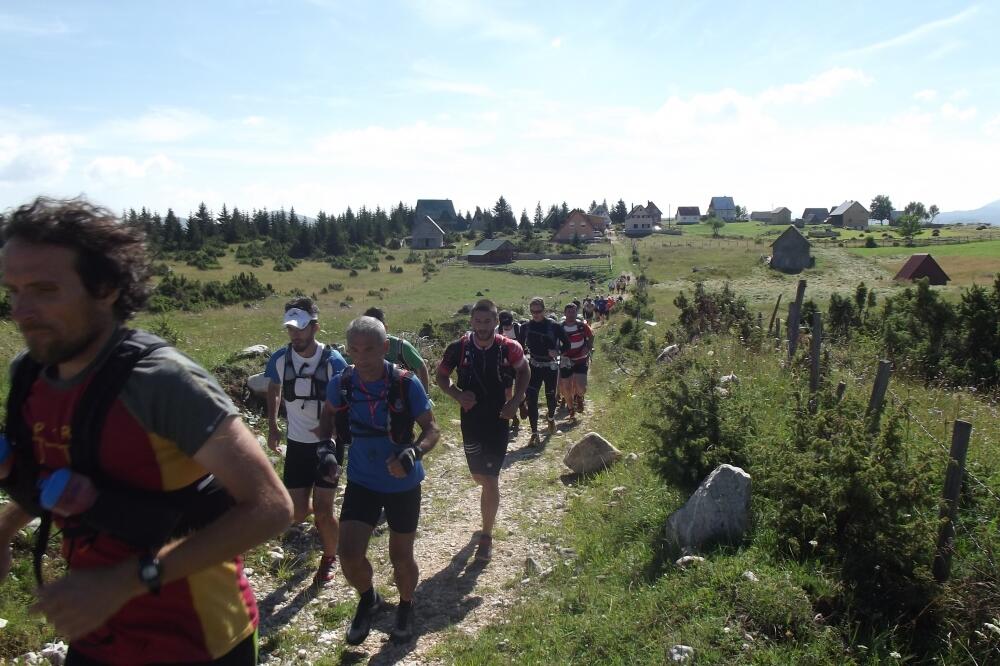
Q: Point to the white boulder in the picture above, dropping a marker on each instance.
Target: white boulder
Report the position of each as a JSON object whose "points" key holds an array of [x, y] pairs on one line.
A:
{"points": [[717, 512], [591, 454]]}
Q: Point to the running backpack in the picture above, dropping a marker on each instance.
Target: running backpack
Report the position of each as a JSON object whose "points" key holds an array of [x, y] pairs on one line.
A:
{"points": [[467, 367], [141, 518], [318, 380], [397, 397]]}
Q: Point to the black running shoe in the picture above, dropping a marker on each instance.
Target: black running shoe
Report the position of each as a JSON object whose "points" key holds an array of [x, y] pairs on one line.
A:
{"points": [[361, 625], [402, 630]]}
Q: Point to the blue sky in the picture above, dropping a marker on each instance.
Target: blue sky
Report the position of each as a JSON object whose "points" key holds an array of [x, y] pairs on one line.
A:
{"points": [[324, 104]]}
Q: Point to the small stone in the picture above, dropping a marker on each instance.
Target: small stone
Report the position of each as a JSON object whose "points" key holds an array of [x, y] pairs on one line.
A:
{"points": [[895, 655], [689, 560], [531, 566], [681, 654], [750, 576], [302, 653], [248, 571], [456, 422], [618, 491], [632, 457]]}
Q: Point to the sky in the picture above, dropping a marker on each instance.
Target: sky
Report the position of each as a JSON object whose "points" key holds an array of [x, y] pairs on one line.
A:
{"points": [[321, 104]]}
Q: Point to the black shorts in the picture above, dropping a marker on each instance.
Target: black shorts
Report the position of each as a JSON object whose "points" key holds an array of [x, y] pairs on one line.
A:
{"points": [[402, 510], [576, 368], [301, 463], [486, 446]]}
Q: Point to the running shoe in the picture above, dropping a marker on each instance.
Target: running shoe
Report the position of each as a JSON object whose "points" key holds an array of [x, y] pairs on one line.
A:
{"points": [[535, 439], [484, 553], [551, 421], [361, 625], [325, 571], [402, 630]]}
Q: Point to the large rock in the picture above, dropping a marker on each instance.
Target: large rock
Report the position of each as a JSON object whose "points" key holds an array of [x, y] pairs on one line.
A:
{"points": [[258, 384], [591, 454], [254, 351], [718, 512], [668, 354]]}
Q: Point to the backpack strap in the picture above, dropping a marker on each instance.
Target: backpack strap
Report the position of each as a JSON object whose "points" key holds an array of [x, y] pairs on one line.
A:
{"points": [[21, 484], [400, 410]]}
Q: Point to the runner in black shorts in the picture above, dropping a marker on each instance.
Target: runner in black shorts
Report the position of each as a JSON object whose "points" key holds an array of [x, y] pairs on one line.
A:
{"points": [[383, 470], [482, 358]]}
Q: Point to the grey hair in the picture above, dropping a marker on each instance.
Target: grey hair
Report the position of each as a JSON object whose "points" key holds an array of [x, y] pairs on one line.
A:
{"points": [[368, 326]]}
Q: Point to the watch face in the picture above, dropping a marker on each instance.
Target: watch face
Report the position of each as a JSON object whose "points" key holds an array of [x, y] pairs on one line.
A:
{"points": [[150, 572]]}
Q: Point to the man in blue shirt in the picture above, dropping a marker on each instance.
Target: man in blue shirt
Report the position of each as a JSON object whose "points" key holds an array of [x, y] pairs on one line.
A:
{"points": [[375, 404], [299, 374]]}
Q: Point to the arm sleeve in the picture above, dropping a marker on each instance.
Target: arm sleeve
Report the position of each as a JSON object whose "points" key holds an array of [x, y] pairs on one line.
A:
{"points": [[337, 363], [333, 390], [176, 399], [420, 404], [515, 353], [411, 357], [450, 359], [271, 372]]}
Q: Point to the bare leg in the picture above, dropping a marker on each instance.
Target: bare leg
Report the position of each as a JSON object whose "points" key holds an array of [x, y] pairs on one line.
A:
{"points": [[354, 537], [301, 506], [489, 500], [404, 565], [326, 519]]}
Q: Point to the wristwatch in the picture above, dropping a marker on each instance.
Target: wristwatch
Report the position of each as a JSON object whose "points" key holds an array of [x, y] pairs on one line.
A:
{"points": [[150, 573]]}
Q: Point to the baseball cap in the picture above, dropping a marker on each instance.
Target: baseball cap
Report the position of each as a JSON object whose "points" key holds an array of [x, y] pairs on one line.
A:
{"points": [[299, 318]]}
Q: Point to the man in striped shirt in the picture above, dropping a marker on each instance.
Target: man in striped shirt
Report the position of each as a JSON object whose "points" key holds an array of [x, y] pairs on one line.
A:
{"points": [[581, 342]]}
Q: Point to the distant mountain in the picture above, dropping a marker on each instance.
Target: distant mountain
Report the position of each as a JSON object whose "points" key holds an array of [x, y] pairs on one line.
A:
{"points": [[988, 214]]}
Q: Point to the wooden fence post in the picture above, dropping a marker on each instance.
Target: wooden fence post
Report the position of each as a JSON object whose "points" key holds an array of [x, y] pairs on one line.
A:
{"points": [[794, 313], [960, 435], [774, 313], [841, 387], [874, 410], [777, 328], [814, 350]]}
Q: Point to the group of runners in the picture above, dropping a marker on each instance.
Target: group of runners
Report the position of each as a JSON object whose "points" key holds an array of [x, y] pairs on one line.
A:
{"points": [[371, 405], [136, 453]]}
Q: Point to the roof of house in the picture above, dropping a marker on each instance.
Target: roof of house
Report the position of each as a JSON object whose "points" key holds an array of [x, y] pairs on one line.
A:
{"points": [[780, 209], [600, 210], [434, 208], [844, 207], [489, 245], [791, 237], [689, 210], [427, 226], [819, 212], [920, 265], [722, 203], [652, 208], [637, 210]]}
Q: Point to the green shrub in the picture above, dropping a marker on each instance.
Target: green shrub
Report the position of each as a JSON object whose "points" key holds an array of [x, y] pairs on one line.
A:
{"points": [[695, 428], [862, 503], [870, 242]]}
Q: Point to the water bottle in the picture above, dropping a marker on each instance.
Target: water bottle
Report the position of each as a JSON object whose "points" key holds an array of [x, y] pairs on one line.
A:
{"points": [[6, 457], [67, 493]]}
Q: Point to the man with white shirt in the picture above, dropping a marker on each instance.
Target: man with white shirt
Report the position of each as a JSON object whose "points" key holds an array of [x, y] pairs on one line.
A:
{"points": [[299, 374]]}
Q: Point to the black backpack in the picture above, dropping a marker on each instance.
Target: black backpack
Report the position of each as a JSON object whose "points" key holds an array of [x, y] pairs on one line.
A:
{"points": [[400, 430], [319, 379], [144, 519]]}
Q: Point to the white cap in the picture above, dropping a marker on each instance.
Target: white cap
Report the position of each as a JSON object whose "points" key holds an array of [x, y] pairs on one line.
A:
{"points": [[299, 318]]}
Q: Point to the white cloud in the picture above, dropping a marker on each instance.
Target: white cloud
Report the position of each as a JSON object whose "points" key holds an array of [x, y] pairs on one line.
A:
{"points": [[111, 169], [164, 125], [959, 95], [25, 26], [556, 42], [915, 34], [454, 87], [25, 159], [253, 121], [944, 49], [475, 17], [992, 126], [926, 95], [952, 112], [824, 86]]}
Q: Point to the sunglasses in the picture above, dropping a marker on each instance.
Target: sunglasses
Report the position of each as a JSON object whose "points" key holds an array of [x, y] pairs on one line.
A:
{"points": [[537, 311]]}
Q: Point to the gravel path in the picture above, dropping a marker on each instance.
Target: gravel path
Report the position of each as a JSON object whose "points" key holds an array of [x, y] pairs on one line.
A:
{"points": [[455, 593]]}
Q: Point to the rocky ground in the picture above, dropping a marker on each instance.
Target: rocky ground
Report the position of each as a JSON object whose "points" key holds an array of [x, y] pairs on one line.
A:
{"points": [[301, 625]]}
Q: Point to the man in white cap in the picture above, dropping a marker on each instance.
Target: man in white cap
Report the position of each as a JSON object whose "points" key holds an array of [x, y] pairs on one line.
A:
{"points": [[299, 374]]}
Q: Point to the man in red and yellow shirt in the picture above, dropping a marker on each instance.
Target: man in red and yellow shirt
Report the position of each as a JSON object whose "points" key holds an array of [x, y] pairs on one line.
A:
{"points": [[74, 276]]}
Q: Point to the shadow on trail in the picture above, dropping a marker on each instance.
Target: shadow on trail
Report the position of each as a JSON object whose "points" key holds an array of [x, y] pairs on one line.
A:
{"points": [[440, 602], [298, 548]]}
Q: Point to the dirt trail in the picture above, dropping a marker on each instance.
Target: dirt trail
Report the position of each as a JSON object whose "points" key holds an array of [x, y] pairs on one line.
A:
{"points": [[455, 593]]}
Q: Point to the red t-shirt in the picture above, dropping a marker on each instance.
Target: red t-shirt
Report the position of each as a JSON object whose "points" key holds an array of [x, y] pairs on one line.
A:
{"points": [[578, 333], [166, 411]]}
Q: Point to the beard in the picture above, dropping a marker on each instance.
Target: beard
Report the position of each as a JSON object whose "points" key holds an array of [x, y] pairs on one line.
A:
{"points": [[57, 351]]}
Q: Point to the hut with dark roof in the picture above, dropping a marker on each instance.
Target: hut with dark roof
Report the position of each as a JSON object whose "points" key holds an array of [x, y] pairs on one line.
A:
{"points": [[790, 252], [922, 266]]}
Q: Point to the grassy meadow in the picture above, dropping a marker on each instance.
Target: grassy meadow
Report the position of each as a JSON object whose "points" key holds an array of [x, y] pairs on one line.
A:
{"points": [[621, 601]]}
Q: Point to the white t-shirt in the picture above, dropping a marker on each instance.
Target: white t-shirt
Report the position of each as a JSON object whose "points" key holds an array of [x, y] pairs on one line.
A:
{"points": [[303, 415]]}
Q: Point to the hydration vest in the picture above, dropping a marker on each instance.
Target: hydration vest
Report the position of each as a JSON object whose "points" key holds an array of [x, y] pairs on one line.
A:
{"points": [[399, 428], [467, 373], [144, 519], [318, 380]]}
